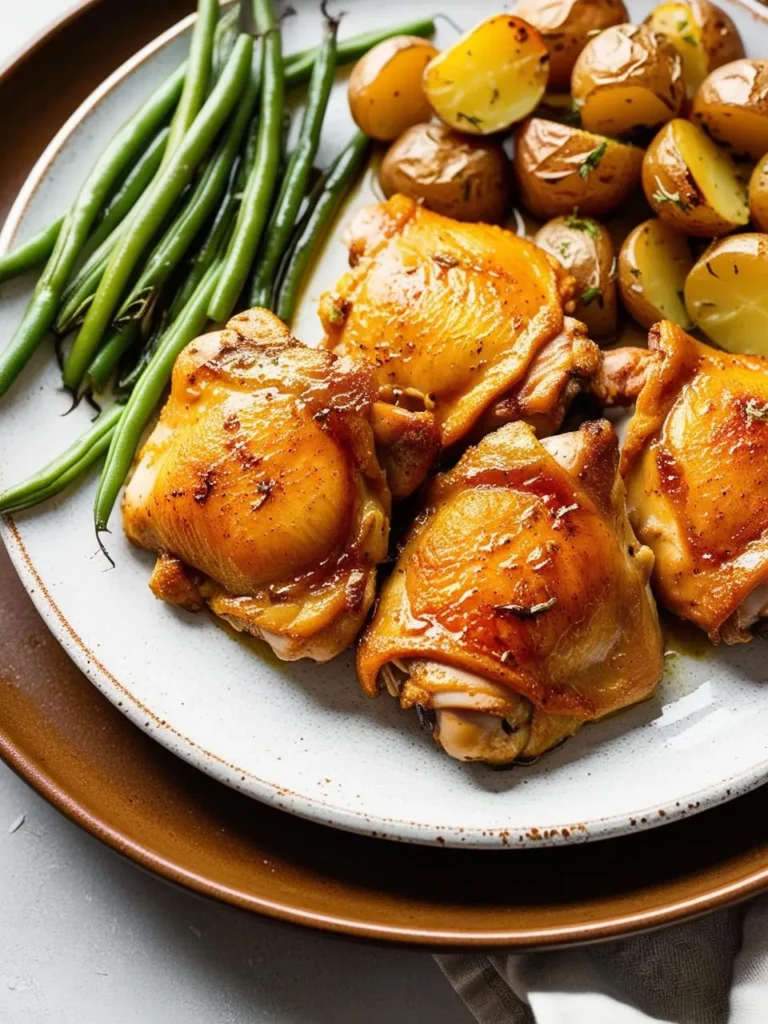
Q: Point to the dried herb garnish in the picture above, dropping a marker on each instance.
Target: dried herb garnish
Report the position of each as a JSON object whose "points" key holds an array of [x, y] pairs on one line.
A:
{"points": [[591, 160], [582, 224], [590, 294], [635, 271], [661, 195], [469, 118]]}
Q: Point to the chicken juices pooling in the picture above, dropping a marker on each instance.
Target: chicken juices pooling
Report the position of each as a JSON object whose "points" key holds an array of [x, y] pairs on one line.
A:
{"points": [[465, 321], [260, 490], [695, 464], [520, 606]]}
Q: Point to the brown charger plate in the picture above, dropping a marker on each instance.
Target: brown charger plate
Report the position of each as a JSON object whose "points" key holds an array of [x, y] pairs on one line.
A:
{"points": [[77, 750]]}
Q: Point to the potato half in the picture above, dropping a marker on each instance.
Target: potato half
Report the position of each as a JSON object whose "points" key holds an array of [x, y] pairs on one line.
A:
{"points": [[453, 174], [566, 26], [703, 35], [627, 79], [758, 195], [732, 104], [726, 296], [585, 249], [559, 167], [654, 262], [385, 88], [491, 78], [691, 183]]}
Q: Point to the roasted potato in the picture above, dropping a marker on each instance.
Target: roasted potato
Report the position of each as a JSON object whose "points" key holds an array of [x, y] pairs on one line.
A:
{"points": [[654, 262], [585, 249], [491, 78], [703, 35], [458, 176], [385, 88], [732, 105], [627, 79], [566, 26], [692, 184], [559, 168], [725, 293], [758, 195]]}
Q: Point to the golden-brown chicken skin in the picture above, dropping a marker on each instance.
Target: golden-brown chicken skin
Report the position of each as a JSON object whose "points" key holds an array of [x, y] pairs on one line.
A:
{"points": [[695, 464], [520, 606], [454, 318], [260, 490]]}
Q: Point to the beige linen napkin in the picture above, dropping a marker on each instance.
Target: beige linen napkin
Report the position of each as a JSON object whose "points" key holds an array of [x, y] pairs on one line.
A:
{"points": [[710, 971]]}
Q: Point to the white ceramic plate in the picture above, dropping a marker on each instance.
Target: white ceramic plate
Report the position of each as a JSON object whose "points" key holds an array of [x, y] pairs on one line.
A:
{"points": [[302, 736]]}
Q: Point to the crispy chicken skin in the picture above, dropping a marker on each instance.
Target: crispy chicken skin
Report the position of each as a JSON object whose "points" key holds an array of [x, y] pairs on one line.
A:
{"points": [[465, 321], [695, 463], [260, 490], [520, 606]]}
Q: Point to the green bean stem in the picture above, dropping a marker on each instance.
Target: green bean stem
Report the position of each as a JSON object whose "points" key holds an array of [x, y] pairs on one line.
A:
{"points": [[312, 232], [31, 253], [158, 201], [257, 196], [198, 73], [123, 149], [147, 394], [298, 66], [297, 174], [66, 467]]}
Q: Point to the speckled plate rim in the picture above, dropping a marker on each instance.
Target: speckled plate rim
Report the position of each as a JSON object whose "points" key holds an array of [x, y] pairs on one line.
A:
{"points": [[302, 804], [738, 884]]}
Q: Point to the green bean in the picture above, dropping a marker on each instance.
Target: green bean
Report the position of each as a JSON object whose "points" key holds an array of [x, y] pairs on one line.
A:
{"points": [[66, 467], [126, 197], [104, 364], [79, 293], [318, 220], [31, 253], [157, 203], [170, 251], [257, 196], [196, 79], [224, 41], [298, 66], [147, 394], [297, 174], [123, 149]]}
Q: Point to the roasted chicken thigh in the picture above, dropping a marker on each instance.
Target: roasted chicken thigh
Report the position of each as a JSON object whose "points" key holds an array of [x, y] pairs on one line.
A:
{"points": [[462, 321], [519, 607], [695, 464], [260, 490]]}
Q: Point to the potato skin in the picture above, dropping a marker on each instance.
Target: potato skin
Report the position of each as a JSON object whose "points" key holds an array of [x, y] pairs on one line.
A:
{"points": [[635, 283], [385, 88], [671, 189], [585, 249], [619, 67], [549, 158], [566, 26], [703, 34], [453, 174], [732, 106], [758, 194]]}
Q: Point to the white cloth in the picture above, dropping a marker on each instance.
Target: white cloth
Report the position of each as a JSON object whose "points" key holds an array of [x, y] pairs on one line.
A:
{"points": [[713, 970]]}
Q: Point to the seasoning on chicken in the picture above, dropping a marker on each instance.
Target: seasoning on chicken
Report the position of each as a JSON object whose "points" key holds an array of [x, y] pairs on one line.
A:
{"points": [[520, 607], [260, 490], [463, 321], [695, 464]]}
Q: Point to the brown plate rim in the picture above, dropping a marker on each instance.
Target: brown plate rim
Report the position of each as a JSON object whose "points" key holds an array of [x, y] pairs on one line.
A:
{"points": [[737, 886]]}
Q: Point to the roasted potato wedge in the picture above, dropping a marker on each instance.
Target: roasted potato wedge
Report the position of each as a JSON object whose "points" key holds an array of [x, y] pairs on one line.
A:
{"points": [[654, 262], [726, 296], [491, 78], [758, 195], [627, 79], [385, 88], [566, 26], [703, 35], [459, 176], [691, 183], [732, 105], [559, 168], [585, 249]]}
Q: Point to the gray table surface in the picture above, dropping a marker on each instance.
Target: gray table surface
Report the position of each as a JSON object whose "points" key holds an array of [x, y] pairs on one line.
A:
{"points": [[88, 938]]}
